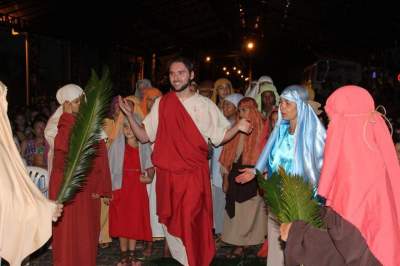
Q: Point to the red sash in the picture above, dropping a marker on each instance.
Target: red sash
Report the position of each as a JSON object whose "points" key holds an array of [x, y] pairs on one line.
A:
{"points": [[183, 181]]}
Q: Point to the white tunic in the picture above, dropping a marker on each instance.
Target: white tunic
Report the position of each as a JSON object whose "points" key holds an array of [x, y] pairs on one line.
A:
{"points": [[210, 121]]}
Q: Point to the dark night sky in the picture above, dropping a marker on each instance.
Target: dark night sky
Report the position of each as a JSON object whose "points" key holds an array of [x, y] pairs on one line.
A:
{"points": [[289, 35]]}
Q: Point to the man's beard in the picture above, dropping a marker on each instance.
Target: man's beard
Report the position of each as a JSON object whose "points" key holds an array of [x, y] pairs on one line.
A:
{"points": [[184, 87]]}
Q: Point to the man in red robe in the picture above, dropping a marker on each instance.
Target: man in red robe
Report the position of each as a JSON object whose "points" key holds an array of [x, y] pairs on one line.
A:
{"points": [[180, 124], [76, 234]]}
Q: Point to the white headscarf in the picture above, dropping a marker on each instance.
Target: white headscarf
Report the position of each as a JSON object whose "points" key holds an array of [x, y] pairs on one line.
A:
{"points": [[68, 92], [234, 98], [253, 92]]}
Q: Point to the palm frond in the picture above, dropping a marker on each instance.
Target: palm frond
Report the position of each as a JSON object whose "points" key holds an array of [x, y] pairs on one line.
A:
{"points": [[272, 190], [85, 135], [290, 198]]}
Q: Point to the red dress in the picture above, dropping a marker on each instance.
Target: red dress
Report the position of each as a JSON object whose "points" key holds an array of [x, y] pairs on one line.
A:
{"points": [[129, 208], [76, 234]]}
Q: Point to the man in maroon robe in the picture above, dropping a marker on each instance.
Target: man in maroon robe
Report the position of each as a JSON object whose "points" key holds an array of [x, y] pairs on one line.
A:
{"points": [[76, 234], [180, 124]]}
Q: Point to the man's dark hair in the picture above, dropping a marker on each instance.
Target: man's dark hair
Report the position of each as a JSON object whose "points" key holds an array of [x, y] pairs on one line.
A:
{"points": [[180, 59]]}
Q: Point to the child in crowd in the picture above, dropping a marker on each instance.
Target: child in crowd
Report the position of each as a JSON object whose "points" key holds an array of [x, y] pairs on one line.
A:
{"points": [[34, 150], [129, 207]]}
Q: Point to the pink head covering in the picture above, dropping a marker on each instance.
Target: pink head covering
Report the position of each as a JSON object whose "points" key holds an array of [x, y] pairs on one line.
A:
{"points": [[360, 177]]}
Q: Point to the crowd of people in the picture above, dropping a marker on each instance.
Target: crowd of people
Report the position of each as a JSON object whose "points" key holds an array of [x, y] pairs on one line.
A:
{"points": [[181, 166]]}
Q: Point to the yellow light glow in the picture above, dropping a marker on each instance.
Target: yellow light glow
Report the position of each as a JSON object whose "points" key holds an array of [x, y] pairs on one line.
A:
{"points": [[14, 32], [239, 71], [250, 45], [224, 68], [227, 73], [208, 58]]}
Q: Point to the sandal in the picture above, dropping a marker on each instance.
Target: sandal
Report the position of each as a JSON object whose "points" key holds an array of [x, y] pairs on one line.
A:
{"points": [[125, 259], [148, 251], [105, 245], [139, 256]]}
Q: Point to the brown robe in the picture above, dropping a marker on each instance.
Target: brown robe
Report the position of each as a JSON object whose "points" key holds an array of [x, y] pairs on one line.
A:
{"points": [[340, 244]]}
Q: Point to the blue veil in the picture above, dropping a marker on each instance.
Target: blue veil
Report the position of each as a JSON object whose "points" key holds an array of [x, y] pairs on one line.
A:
{"points": [[309, 137]]}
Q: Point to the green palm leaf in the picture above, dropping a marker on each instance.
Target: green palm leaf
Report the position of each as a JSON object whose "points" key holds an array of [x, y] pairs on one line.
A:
{"points": [[290, 198], [85, 135], [272, 190]]}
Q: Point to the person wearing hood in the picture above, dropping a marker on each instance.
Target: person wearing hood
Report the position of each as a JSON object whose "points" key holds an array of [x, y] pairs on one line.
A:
{"points": [[245, 216], [222, 88], [296, 144], [230, 111], [267, 99], [25, 214], [360, 182], [76, 235]]}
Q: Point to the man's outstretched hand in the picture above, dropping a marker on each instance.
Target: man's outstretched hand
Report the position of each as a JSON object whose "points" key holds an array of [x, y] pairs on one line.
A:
{"points": [[244, 126], [247, 174], [126, 107]]}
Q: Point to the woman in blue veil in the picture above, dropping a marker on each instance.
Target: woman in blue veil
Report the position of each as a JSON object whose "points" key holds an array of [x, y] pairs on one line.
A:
{"points": [[297, 145]]}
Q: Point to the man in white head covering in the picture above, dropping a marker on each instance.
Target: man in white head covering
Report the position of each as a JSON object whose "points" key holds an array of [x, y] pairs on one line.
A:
{"points": [[265, 94], [255, 90], [68, 93], [230, 110]]}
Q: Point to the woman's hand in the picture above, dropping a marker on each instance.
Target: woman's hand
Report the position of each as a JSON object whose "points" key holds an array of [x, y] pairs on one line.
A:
{"points": [[145, 179], [284, 230], [247, 174], [57, 211]]}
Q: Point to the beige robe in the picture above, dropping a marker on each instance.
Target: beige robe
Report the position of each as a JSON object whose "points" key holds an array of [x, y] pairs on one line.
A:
{"points": [[25, 214]]}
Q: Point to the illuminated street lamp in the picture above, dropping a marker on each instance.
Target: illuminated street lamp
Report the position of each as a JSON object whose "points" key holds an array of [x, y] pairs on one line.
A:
{"points": [[250, 45]]}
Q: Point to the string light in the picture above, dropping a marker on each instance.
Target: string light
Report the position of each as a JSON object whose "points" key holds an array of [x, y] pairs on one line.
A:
{"points": [[227, 73], [208, 59], [285, 14], [239, 71], [224, 68]]}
